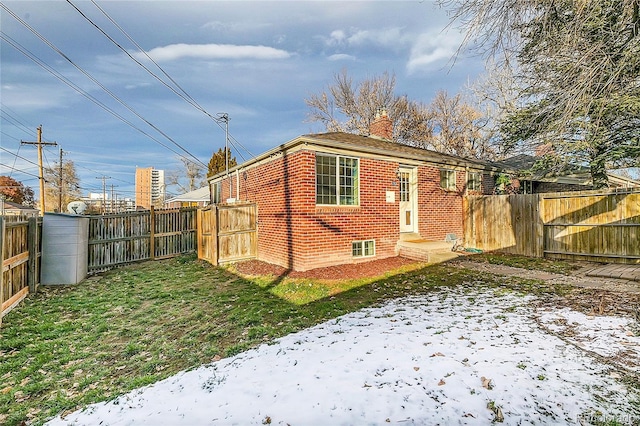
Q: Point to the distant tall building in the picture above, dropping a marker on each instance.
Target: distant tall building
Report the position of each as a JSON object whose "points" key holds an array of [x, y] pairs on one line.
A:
{"points": [[149, 187]]}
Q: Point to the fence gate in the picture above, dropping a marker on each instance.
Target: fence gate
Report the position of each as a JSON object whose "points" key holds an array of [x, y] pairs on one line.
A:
{"points": [[227, 233], [19, 257], [207, 243]]}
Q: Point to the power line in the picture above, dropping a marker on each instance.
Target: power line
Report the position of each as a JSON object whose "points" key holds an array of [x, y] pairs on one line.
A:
{"points": [[95, 81], [184, 95], [72, 85], [19, 170]]}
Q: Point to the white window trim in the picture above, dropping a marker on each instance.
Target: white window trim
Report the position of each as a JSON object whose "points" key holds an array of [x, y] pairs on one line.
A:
{"points": [[337, 157], [469, 180], [362, 248], [449, 187]]}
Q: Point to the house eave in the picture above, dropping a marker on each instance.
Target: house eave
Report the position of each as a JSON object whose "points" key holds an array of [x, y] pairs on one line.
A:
{"points": [[423, 157]]}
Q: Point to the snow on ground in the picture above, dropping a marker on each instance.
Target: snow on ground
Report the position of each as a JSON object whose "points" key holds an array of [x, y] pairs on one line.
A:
{"points": [[453, 357]]}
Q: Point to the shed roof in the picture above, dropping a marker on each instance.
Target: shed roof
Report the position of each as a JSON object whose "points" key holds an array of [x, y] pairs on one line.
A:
{"points": [[200, 194]]}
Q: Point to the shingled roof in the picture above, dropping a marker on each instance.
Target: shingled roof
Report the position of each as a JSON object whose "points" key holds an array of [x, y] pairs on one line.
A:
{"points": [[370, 145]]}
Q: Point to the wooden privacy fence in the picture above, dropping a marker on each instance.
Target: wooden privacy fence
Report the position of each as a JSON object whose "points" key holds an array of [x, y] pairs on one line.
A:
{"points": [[19, 256], [119, 239], [227, 233], [589, 225]]}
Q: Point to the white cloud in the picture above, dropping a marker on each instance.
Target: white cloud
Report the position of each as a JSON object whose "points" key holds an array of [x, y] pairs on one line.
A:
{"points": [[389, 37], [136, 86], [431, 48], [215, 51], [341, 57], [355, 37], [336, 37]]}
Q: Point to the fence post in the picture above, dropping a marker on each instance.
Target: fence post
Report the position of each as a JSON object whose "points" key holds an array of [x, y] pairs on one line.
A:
{"points": [[539, 225], [152, 230], [216, 233], [33, 276], [2, 236]]}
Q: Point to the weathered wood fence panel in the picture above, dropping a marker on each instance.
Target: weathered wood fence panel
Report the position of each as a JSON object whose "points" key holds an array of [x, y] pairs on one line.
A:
{"points": [[19, 256], [228, 233], [590, 225], [207, 242], [119, 239], [174, 232], [509, 223], [596, 227]]}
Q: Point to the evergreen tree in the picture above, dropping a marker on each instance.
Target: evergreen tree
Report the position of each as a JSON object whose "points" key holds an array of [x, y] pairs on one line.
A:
{"points": [[218, 162]]}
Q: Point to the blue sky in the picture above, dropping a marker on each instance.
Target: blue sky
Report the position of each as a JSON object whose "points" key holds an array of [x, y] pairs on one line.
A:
{"points": [[255, 61]]}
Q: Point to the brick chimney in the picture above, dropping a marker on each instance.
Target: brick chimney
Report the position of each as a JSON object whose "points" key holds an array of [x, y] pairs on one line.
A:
{"points": [[382, 127]]}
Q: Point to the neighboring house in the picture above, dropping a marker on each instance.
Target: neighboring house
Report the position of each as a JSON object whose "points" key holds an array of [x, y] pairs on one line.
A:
{"points": [[336, 198], [200, 197], [10, 208], [528, 180]]}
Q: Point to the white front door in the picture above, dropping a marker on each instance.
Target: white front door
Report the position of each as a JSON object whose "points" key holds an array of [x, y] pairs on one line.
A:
{"points": [[408, 201]]}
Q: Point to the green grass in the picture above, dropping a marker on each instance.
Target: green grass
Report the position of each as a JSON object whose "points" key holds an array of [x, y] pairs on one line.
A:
{"points": [[532, 263], [65, 347]]}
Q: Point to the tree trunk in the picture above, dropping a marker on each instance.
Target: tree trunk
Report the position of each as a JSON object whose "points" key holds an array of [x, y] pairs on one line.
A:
{"points": [[599, 171]]}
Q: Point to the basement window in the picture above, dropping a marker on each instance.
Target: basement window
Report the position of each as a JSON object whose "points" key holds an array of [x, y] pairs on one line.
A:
{"points": [[363, 248]]}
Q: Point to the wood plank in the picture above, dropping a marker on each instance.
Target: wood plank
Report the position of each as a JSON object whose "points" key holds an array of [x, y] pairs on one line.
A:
{"points": [[13, 301], [14, 261]]}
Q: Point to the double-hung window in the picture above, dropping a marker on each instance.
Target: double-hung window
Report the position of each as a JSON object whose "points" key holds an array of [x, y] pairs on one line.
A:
{"points": [[474, 181], [337, 180], [216, 192], [448, 179]]}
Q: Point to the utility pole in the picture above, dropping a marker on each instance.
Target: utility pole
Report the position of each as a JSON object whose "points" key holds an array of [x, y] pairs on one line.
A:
{"points": [[225, 117], [104, 192], [39, 143], [113, 200]]}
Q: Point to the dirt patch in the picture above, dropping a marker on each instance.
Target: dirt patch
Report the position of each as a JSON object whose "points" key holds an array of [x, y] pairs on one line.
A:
{"points": [[369, 269], [595, 296]]}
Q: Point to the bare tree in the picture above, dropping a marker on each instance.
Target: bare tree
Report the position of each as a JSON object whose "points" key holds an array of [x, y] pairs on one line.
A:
{"points": [[579, 63], [351, 107], [187, 179], [459, 127], [496, 95], [61, 189]]}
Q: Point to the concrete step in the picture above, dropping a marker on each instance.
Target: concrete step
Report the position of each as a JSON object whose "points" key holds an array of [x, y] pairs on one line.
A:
{"points": [[426, 251]]}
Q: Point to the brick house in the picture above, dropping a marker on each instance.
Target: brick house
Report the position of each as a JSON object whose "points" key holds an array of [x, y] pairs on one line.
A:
{"points": [[336, 198]]}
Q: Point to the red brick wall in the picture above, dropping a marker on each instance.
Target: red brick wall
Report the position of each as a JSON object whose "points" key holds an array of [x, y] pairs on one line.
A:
{"points": [[295, 233], [439, 210]]}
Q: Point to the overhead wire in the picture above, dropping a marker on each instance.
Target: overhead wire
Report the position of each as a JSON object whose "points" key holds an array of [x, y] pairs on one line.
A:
{"points": [[75, 87], [98, 83], [183, 93], [18, 170]]}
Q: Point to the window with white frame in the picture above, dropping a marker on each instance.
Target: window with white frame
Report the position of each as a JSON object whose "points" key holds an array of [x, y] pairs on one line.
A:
{"points": [[363, 248], [448, 179], [216, 192], [474, 181], [337, 180], [403, 178]]}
